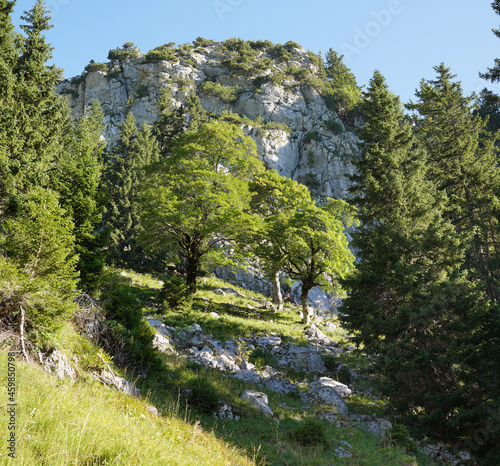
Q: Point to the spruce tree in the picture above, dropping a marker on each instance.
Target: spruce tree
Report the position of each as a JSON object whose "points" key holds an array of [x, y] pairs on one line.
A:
{"points": [[77, 179], [463, 163], [134, 150], [410, 304]]}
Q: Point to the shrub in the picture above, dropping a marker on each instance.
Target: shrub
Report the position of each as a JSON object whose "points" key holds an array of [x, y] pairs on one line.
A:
{"points": [[344, 374], [214, 89], [334, 126], [163, 52], [310, 432], [311, 136], [93, 67], [260, 358], [204, 396], [128, 50], [174, 292], [401, 436], [202, 42]]}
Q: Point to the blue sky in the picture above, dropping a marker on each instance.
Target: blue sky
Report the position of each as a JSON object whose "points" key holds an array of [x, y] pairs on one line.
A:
{"points": [[404, 39]]}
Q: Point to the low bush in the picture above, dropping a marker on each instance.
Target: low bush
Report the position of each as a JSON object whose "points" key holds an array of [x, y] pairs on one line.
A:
{"points": [[174, 292], [204, 396], [218, 90], [310, 432]]}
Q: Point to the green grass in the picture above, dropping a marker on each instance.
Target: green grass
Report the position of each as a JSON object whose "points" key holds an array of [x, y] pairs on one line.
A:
{"points": [[87, 423]]}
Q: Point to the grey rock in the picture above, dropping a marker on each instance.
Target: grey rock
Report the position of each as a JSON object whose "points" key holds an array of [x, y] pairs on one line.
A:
{"points": [[285, 387], [341, 452], [259, 400], [225, 413], [153, 410], [309, 362], [324, 393], [57, 363], [163, 344], [378, 427], [269, 341], [155, 323], [247, 376], [121, 384]]}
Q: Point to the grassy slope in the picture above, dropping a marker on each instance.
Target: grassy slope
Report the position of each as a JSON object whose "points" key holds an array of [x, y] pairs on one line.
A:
{"points": [[90, 424]]}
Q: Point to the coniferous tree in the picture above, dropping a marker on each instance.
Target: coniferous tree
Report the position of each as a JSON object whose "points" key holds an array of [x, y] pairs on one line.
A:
{"points": [[37, 265], [409, 303], [134, 150], [493, 74], [77, 179], [345, 89], [464, 166]]}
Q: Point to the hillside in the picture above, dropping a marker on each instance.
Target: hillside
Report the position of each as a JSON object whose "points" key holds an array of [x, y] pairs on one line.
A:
{"points": [[80, 421]]}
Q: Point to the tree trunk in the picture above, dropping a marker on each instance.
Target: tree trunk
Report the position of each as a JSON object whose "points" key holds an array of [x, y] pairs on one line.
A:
{"points": [[306, 316], [192, 272], [277, 296]]}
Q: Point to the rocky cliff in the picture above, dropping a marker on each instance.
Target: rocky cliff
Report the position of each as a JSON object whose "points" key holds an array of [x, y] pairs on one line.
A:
{"points": [[271, 91]]}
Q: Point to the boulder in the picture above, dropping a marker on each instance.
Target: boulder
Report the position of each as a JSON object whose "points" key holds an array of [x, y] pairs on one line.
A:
{"points": [[269, 341], [273, 384], [306, 359], [57, 363], [121, 384], [247, 376], [325, 393], [259, 400], [163, 344]]}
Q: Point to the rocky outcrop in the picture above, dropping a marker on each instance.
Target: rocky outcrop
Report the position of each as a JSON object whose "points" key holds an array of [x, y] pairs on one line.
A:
{"points": [[306, 140]]}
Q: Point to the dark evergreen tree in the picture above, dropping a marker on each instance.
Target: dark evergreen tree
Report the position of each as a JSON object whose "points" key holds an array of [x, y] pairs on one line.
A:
{"points": [[77, 179], [409, 303], [464, 166], [345, 89], [493, 74], [135, 149]]}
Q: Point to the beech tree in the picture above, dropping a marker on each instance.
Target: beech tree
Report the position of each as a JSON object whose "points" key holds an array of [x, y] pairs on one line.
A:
{"points": [[195, 199], [297, 237]]}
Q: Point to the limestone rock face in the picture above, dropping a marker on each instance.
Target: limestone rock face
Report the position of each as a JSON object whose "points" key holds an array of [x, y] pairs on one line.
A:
{"points": [[57, 363], [315, 150]]}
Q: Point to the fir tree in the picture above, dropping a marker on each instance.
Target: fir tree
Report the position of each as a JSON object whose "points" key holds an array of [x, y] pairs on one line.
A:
{"points": [[37, 266], [409, 302], [135, 149]]}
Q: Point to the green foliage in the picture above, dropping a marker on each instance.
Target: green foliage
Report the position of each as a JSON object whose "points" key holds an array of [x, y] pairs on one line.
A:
{"points": [[196, 197], [77, 177], [294, 235], [163, 52], [400, 435], [345, 91], [204, 396], [130, 337], [94, 67], [310, 432], [135, 149], [311, 136], [128, 50], [202, 42], [334, 126], [174, 292], [214, 89], [37, 269], [261, 358]]}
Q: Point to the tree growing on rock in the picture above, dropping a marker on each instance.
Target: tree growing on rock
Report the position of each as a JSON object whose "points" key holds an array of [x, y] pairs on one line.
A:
{"points": [[196, 198]]}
